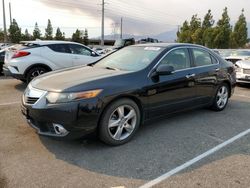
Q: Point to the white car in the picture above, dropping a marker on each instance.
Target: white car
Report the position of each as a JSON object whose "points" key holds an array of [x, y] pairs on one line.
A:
{"points": [[33, 58], [243, 71]]}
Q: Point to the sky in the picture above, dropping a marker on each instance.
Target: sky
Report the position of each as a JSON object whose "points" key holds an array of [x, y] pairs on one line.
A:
{"points": [[140, 17]]}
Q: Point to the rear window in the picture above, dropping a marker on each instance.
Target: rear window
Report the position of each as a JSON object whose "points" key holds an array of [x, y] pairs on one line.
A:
{"points": [[61, 48]]}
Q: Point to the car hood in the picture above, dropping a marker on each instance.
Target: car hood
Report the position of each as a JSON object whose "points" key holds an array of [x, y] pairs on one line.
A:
{"points": [[243, 64], [63, 80]]}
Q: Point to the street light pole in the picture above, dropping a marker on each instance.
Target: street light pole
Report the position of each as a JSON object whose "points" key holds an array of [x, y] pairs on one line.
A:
{"points": [[10, 13], [121, 27], [102, 35], [4, 23]]}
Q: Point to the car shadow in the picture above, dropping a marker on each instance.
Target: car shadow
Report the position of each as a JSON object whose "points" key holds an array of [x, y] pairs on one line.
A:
{"points": [[244, 85], [21, 86], [157, 147]]}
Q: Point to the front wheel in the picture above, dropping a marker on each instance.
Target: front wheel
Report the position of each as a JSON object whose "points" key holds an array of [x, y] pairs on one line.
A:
{"points": [[119, 122], [221, 98]]}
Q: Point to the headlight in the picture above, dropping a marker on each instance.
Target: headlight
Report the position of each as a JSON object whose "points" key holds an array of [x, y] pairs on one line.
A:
{"points": [[53, 97]]}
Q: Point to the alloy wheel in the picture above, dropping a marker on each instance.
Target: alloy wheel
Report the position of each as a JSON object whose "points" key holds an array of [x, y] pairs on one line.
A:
{"points": [[36, 73], [222, 97], [122, 122]]}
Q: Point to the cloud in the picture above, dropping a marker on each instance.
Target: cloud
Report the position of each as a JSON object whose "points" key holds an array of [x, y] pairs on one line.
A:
{"points": [[147, 16]]}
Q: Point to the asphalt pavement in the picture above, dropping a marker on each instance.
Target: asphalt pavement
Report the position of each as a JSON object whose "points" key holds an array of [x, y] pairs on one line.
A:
{"points": [[29, 160]]}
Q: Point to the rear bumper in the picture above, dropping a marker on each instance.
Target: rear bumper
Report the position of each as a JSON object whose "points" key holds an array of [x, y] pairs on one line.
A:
{"points": [[243, 81], [242, 78], [7, 72]]}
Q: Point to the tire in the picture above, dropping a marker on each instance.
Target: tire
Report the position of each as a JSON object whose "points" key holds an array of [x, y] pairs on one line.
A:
{"points": [[34, 72], [23, 80], [221, 98], [119, 122]]}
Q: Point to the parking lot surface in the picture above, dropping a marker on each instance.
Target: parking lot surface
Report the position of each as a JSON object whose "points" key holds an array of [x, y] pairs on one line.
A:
{"points": [[29, 160]]}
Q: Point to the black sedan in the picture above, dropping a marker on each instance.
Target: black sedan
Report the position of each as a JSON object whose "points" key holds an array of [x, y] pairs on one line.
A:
{"points": [[120, 92]]}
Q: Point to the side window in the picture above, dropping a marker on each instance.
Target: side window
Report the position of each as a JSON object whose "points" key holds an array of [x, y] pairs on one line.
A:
{"points": [[214, 60], [179, 59], [201, 57], [79, 50], [61, 48]]}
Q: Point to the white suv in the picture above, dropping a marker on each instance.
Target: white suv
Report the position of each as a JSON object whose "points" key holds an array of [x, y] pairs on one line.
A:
{"points": [[33, 58]]}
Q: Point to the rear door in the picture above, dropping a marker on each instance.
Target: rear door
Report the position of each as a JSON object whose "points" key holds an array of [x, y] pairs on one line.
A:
{"points": [[59, 55], [206, 74], [82, 55]]}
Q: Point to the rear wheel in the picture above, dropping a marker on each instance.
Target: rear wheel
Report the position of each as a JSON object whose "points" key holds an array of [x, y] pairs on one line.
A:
{"points": [[119, 122], [221, 98], [34, 72]]}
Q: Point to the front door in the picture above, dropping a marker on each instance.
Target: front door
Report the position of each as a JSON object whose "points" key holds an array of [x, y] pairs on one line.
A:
{"points": [[81, 55], [174, 92]]}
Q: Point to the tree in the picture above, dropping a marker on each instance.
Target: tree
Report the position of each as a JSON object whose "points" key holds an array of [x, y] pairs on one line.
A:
{"points": [[239, 35], [1, 35], [59, 35], [49, 31], [86, 37], [195, 29], [207, 30], [26, 36], [77, 36], [15, 34], [184, 34], [36, 33], [223, 31]]}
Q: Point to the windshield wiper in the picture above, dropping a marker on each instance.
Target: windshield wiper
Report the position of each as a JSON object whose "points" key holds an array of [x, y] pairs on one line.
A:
{"points": [[111, 68]]}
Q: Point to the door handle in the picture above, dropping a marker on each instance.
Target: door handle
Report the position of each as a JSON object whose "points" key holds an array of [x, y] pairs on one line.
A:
{"points": [[217, 70], [190, 76]]}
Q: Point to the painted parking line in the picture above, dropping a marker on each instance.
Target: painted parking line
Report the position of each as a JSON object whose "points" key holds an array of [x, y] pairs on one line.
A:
{"points": [[244, 96], [9, 103], [194, 160]]}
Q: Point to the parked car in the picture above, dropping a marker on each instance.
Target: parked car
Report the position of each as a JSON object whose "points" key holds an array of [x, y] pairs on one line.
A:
{"points": [[115, 95], [238, 55], [243, 71], [33, 58], [119, 44], [2, 54], [5, 45]]}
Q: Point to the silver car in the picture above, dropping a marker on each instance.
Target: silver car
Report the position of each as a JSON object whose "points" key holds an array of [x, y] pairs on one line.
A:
{"points": [[243, 71]]}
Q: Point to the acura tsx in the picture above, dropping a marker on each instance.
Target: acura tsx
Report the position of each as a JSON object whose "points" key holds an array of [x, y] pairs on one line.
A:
{"points": [[118, 93]]}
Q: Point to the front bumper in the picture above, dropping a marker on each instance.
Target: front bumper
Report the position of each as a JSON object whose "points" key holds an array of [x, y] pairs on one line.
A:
{"points": [[77, 118]]}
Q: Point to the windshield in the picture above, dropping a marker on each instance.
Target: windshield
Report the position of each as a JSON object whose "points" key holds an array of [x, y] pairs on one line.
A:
{"points": [[130, 58]]}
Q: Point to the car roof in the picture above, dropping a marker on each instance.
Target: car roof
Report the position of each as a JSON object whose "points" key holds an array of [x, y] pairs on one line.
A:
{"points": [[46, 42], [165, 45]]}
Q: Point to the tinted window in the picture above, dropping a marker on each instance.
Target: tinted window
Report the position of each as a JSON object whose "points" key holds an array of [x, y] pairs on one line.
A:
{"points": [[80, 50], [201, 57], [179, 59], [61, 48]]}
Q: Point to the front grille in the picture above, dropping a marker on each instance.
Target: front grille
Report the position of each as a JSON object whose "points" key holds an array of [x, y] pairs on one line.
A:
{"points": [[246, 71], [31, 100]]}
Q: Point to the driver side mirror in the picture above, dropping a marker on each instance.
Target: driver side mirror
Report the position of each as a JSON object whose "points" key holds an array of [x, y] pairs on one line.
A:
{"points": [[164, 70], [94, 54]]}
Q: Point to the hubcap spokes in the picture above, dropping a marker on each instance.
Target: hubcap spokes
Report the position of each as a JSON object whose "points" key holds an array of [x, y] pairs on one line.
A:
{"points": [[122, 122], [36, 73], [222, 97]]}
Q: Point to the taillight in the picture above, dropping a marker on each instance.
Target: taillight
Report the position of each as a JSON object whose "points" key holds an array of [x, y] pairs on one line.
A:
{"points": [[20, 54]]}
